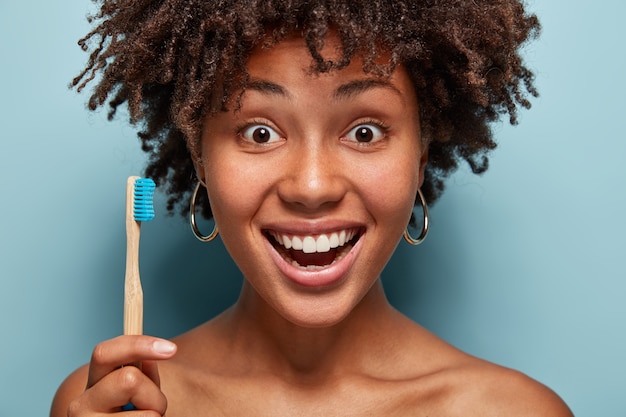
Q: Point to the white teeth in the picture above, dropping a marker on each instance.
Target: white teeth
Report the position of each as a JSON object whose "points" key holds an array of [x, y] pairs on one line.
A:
{"points": [[320, 244], [323, 243], [308, 245], [334, 240]]}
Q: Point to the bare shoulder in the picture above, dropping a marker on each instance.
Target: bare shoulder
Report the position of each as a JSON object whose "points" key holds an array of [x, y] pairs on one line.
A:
{"points": [[69, 389], [449, 382], [484, 389]]}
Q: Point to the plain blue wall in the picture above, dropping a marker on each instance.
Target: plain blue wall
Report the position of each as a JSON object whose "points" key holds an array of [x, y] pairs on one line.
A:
{"points": [[524, 266]]}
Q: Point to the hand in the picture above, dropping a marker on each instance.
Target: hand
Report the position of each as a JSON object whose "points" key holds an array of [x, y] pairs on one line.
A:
{"points": [[111, 383]]}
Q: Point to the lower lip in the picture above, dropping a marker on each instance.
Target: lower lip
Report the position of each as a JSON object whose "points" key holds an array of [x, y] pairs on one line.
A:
{"points": [[328, 276]]}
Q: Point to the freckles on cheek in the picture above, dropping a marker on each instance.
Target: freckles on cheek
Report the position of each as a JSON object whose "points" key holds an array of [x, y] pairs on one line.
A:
{"points": [[391, 186], [395, 202], [235, 192]]}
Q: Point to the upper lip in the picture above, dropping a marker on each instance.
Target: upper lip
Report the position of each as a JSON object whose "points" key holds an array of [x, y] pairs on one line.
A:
{"points": [[311, 228]]}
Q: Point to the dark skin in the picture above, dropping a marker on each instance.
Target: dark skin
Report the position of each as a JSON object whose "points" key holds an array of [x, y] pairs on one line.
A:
{"points": [[293, 344], [437, 379]]}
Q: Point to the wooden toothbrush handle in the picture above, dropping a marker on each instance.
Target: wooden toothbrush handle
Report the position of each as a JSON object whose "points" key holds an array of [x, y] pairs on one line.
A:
{"points": [[133, 293]]}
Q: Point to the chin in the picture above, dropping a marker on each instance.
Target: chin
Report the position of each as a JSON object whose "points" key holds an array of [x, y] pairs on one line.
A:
{"points": [[319, 311]]}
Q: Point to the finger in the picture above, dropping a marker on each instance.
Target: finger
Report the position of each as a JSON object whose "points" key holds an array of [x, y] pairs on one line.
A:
{"points": [[123, 386], [114, 353], [151, 369]]}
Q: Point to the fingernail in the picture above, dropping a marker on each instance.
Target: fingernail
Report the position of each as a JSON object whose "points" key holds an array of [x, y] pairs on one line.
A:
{"points": [[163, 347]]}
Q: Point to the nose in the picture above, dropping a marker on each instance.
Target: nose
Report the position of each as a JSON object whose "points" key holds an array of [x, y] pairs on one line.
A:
{"points": [[315, 178]]}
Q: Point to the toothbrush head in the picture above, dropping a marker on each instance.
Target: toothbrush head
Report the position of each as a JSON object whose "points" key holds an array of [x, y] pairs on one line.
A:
{"points": [[143, 209]]}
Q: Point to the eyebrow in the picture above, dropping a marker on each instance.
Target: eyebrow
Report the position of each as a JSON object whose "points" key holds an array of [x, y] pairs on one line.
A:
{"points": [[343, 92], [267, 87], [356, 87]]}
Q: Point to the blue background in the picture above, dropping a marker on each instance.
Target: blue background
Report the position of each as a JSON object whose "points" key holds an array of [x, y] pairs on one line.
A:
{"points": [[524, 265]]}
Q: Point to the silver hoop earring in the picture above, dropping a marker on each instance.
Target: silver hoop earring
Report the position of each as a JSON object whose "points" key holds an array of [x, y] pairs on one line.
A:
{"points": [[192, 219], [407, 236]]}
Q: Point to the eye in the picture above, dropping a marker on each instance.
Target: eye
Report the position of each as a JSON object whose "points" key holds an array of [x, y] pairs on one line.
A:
{"points": [[258, 133], [366, 133]]}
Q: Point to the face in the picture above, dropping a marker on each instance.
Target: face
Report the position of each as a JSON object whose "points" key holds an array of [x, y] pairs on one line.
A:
{"points": [[312, 181]]}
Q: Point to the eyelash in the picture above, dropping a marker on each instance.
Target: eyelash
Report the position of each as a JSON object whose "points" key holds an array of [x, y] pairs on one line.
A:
{"points": [[374, 122]]}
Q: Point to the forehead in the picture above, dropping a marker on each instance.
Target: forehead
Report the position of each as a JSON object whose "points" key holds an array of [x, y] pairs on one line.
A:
{"points": [[293, 47], [290, 63]]}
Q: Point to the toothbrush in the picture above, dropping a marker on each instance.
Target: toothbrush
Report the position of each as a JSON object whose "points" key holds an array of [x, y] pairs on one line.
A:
{"points": [[139, 208], [139, 195]]}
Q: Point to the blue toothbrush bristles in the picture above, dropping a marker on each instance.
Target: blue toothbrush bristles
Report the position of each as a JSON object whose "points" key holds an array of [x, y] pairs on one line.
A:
{"points": [[143, 210]]}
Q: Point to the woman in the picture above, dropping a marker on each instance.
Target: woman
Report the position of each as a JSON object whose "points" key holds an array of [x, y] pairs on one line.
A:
{"points": [[314, 127]]}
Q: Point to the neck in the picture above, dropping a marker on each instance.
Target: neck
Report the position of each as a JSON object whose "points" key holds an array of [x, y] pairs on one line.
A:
{"points": [[274, 343]]}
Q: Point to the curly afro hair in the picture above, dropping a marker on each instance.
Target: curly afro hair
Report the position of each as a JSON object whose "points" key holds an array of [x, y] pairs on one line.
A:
{"points": [[175, 62]]}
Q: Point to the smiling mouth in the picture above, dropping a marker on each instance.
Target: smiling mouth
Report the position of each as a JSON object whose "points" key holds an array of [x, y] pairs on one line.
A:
{"points": [[314, 252]]}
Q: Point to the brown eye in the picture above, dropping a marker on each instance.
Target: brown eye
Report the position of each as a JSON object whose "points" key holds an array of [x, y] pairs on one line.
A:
{"points": [[366, 133], [260, 134]]}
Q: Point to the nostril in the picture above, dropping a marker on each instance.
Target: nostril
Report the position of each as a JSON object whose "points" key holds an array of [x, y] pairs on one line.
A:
{"points": [[314, 174], [312, 192]]}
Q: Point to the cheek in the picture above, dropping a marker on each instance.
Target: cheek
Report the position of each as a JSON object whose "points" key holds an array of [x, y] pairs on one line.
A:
{"points": [[391, 187], [235, 190]]}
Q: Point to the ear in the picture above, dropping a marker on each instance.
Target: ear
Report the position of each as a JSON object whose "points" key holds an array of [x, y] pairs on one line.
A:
{"points": [[198, 167], [423, 163]]}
